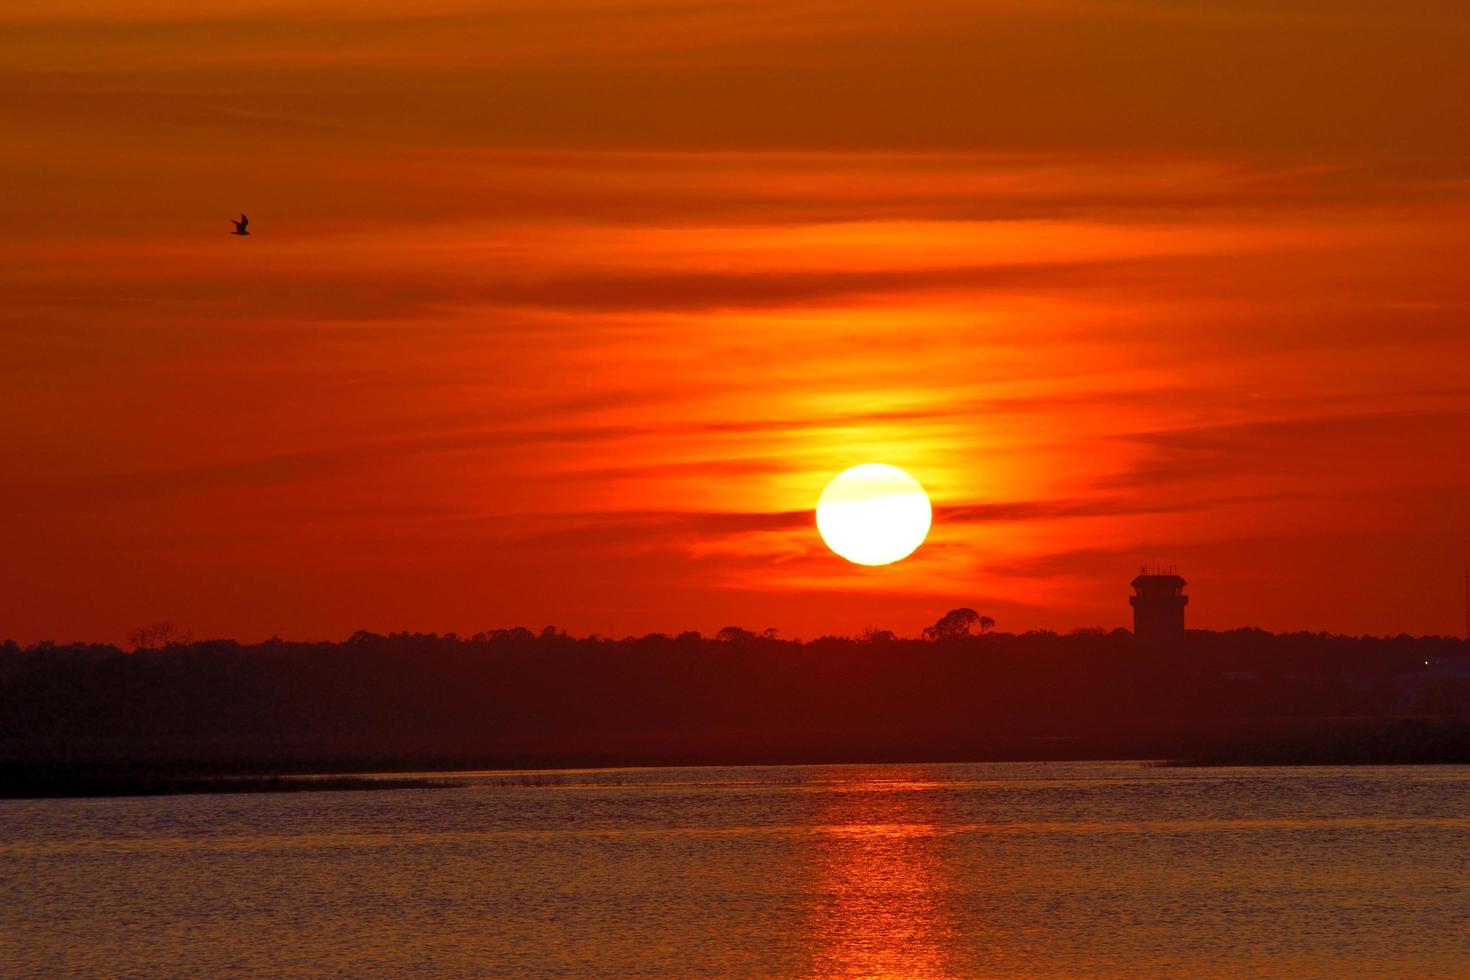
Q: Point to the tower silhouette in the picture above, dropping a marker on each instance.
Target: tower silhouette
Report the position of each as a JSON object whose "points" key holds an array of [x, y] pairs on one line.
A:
{"points": [[1158, 603]]}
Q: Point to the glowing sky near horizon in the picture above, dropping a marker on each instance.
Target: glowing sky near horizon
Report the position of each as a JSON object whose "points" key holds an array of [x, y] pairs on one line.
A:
{"points": [[566, 311]]}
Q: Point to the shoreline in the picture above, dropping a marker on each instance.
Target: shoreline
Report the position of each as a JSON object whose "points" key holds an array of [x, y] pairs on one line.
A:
{"points": [[36, 785], [114, 787]]}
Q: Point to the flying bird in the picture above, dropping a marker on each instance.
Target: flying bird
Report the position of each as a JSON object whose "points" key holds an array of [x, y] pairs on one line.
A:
{"points": [[240, 228]]}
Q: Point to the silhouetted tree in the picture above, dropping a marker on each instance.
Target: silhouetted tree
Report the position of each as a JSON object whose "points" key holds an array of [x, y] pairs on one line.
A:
{"points": [[732, 633], [871, 634], [955, 624], [157, 635]]}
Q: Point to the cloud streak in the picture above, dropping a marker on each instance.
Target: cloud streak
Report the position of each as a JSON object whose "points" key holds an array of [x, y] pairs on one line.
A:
{"points": [[577, 305]]}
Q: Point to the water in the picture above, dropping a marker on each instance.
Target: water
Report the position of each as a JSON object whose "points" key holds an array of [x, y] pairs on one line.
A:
{"points": [[938, 870]]}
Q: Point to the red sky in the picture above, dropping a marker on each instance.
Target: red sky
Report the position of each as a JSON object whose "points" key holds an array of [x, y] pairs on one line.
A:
{"points": [[564, 311]]}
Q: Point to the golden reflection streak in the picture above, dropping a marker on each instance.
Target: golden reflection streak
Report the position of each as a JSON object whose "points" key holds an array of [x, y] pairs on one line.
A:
{"points": [[877, 908]]}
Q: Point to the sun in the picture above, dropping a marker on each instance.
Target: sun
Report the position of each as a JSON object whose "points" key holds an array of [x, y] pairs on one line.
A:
{"points": [[873, 514]]}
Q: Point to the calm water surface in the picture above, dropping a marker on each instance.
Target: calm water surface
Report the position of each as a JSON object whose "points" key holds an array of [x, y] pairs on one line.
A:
{"points": [[1032, 870]]}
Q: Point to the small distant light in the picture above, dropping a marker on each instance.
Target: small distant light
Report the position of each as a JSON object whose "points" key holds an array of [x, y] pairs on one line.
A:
{"points": [[1426, 663]]}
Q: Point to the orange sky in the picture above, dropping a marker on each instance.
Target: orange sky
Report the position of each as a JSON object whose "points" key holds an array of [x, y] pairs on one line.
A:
{"points": [[564, 311]]}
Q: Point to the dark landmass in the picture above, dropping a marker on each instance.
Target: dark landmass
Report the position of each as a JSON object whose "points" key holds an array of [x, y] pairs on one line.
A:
{"points": [[1337, 742], [192, 714], [32, 780]]}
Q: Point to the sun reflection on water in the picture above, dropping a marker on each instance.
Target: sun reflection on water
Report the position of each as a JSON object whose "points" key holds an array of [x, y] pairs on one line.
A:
{"points": [[878, 908]]}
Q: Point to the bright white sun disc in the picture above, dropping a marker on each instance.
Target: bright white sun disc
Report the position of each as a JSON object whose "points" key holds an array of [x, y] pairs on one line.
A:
{"points": [[873, 514]]}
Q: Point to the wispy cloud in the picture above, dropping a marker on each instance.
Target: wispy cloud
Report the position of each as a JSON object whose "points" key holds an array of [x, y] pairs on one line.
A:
{"points": [[577, 306]]}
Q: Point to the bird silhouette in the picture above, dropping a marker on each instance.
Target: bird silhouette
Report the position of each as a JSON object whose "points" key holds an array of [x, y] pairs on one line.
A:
{"points": [[240, 228]]}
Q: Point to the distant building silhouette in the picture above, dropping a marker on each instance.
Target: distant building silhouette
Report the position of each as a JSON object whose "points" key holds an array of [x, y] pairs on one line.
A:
{"points": [[1158, 603]]}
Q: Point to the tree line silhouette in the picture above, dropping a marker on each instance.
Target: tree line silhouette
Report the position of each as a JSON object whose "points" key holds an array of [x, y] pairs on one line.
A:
{"points": [[514, 697]]}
